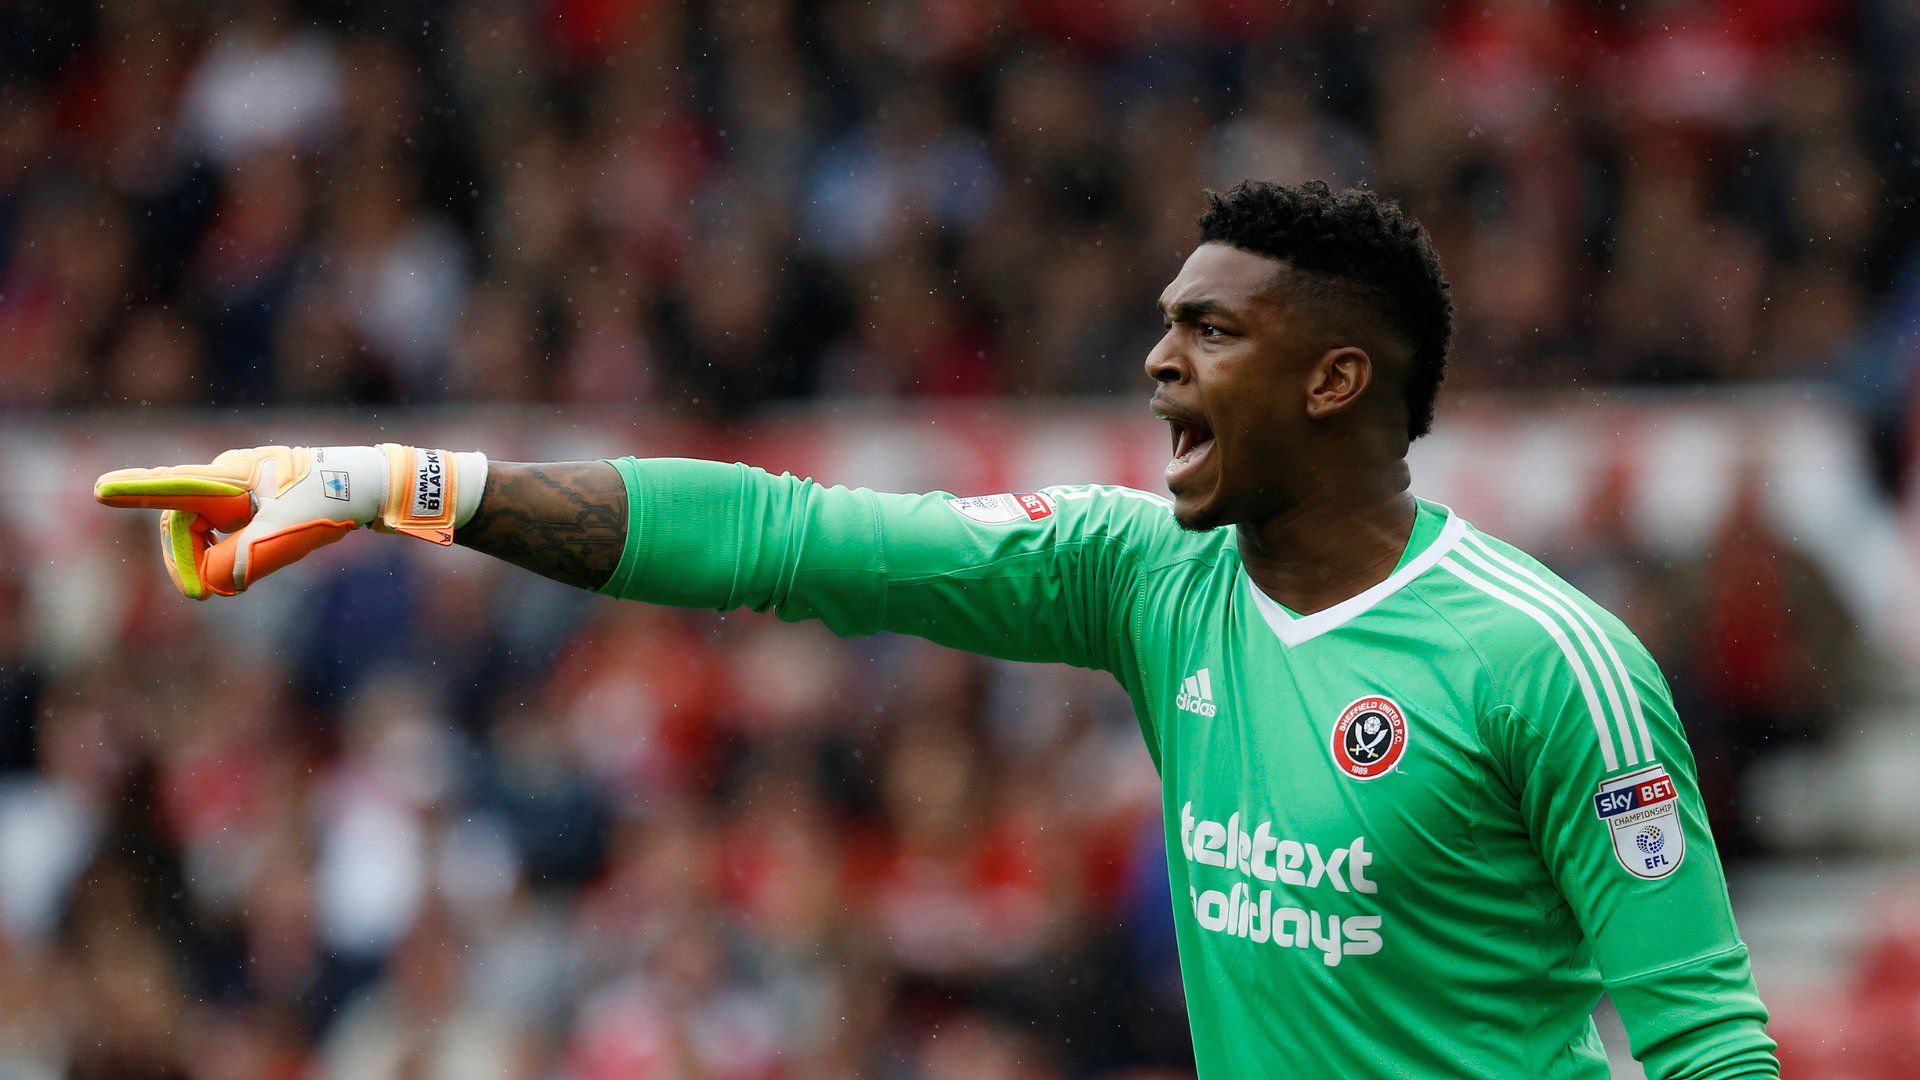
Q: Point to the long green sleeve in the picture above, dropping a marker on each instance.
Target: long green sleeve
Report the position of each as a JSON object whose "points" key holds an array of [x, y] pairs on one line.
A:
{"points": [[1041, 576], [1627, 841]]}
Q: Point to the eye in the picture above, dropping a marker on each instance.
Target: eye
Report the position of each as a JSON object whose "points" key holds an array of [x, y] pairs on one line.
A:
{"points": [[1208, 330]]}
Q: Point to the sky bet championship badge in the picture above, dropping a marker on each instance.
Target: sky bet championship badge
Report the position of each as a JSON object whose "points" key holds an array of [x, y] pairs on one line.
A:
{"points": [[1643, 812], [1369, 738], [1004, 509]]}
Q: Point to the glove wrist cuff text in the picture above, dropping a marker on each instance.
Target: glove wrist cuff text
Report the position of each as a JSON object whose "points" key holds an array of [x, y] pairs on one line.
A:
{"points": [[430, 492]]}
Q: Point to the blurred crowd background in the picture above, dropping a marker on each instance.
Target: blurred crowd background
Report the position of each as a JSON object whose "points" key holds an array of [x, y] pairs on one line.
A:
{"points": [[422, 817], [716, 205]]}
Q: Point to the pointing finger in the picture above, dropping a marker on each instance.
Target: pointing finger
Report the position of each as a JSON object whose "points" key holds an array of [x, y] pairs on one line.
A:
{"points": [[225, 504]]}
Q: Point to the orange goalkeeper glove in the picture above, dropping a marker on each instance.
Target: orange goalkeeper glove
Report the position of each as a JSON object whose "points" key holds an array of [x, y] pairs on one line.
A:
{"points": [[276, 504]]}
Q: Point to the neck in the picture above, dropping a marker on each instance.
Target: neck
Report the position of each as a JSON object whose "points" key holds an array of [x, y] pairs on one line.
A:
{"points": [[1338, 541]]}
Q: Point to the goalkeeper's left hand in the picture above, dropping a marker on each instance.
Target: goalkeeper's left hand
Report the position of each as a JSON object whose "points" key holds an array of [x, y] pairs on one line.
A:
{"points": [[277, 504]]}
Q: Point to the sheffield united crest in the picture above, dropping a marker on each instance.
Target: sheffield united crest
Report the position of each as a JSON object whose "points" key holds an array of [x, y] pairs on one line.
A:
{"points": [[1369, 738]]}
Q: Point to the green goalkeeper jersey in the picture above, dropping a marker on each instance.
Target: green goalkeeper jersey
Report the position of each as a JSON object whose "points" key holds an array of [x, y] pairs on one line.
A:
{"points": [[1415, 834]]}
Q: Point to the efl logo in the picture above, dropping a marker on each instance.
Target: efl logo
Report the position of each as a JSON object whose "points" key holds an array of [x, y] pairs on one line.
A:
{"points": [[429, 483], [1642, 812], [1369, 738]]}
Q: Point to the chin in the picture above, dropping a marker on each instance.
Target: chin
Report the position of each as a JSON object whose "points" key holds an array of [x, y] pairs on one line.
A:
{"points": [[1195, 516]]}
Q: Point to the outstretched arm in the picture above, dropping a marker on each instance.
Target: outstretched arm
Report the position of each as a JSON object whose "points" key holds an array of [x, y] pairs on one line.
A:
{"points": [[1049, 575], [1052, 575], [565, 520]]}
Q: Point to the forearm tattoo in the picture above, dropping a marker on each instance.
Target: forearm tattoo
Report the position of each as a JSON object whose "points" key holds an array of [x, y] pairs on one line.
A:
{"points": [[566, 520]]}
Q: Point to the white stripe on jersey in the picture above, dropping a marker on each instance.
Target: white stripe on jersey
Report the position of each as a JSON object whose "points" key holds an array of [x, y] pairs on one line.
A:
{"points": [[1497, 565], [1088, 491], [1613, 654], [1560, 637]]}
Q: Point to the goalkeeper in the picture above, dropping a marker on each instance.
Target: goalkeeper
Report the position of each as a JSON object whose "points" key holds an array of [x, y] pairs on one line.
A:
{"points": [[1424, 802]]}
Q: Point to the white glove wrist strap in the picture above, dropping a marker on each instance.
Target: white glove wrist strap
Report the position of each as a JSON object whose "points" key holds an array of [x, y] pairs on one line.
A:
{"points": [[429, 492], [471, 467]]}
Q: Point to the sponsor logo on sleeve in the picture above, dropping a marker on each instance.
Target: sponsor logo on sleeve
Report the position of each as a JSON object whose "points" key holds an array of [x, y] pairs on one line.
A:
{"points": [[1642, 813], [1369, 738], [1004, 509]]}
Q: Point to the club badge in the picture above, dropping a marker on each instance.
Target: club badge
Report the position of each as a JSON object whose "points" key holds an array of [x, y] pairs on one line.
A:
{"points": [[1642, 811], [1369, 738]]}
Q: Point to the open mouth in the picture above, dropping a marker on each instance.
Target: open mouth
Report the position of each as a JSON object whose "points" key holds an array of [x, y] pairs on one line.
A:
{"points": [[1192, 441], [1189, 438]]}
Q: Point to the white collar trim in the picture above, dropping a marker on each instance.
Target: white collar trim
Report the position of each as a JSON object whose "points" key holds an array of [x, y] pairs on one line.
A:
{"points": [[1293, 630]]}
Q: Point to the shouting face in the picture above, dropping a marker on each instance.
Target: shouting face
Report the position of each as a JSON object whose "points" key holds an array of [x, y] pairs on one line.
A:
{"points": [[1244, 373]]}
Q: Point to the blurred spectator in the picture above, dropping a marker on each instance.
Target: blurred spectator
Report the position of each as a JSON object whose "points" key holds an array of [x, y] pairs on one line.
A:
{"points": [[1775, 651], [265, 78]]}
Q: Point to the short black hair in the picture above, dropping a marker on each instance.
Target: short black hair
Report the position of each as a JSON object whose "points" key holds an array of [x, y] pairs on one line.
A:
{"points": [[1362, 248]]}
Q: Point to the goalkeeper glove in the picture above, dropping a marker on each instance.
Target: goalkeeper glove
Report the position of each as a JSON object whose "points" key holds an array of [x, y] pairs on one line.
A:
{"points": [[276, 504]]}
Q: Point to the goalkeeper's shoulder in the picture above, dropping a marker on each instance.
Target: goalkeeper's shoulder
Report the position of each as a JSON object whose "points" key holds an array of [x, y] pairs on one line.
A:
{"points": [[1142, 521]]}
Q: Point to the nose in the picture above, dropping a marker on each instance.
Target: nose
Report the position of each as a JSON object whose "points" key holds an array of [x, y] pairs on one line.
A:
{"points": [[1167, 362]]}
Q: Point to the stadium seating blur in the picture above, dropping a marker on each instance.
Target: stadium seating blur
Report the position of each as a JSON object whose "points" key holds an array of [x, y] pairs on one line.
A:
{"points": [[412, 813]]}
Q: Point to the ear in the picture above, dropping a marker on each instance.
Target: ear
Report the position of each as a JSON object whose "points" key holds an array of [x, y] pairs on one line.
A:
{"points": [[1337, 380]]}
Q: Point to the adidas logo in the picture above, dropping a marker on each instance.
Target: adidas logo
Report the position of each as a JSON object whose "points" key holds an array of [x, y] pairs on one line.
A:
{"points": [[1196, 694]]}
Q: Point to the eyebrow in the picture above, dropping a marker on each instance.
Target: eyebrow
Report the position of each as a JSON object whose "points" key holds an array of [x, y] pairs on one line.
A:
{"points": [[1188, 310]]}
